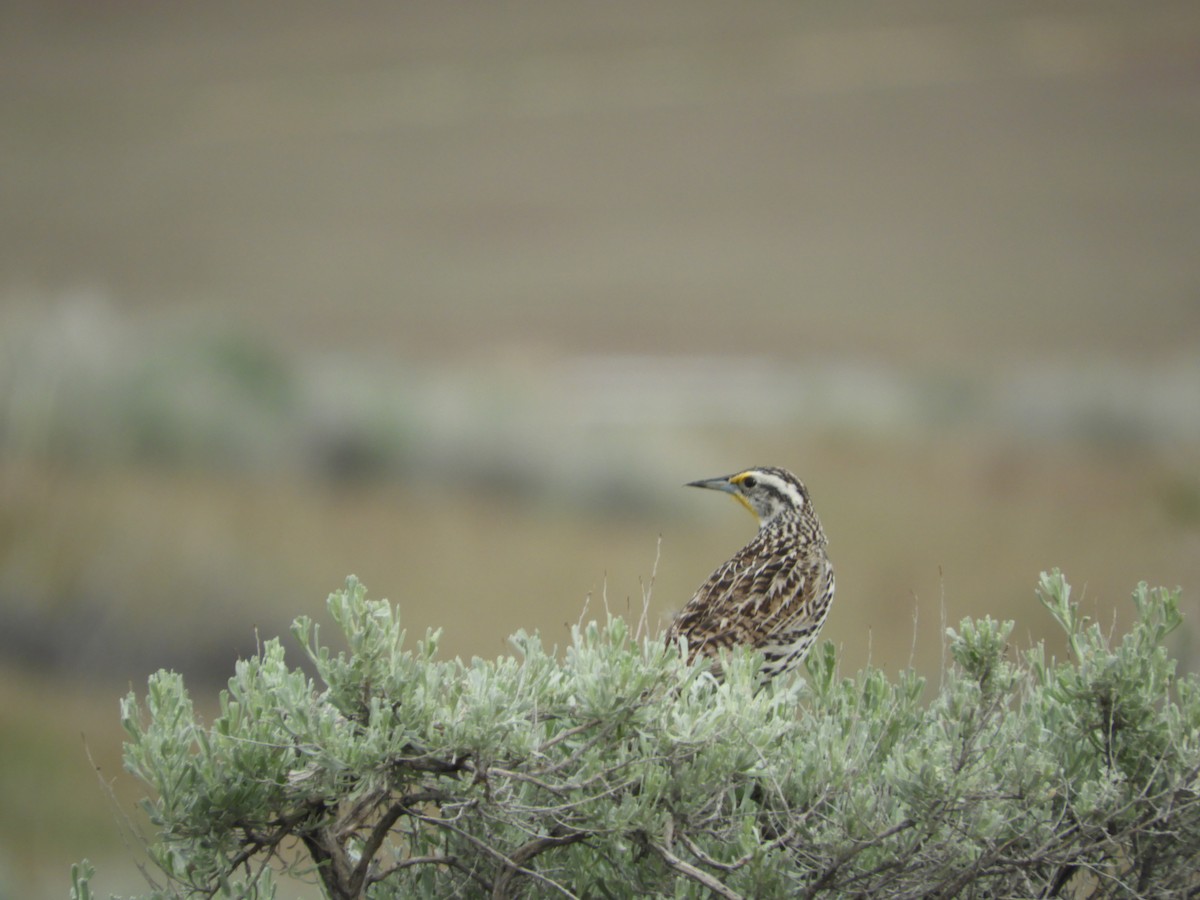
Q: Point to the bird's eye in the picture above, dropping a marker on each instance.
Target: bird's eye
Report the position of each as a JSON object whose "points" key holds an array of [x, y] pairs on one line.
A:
{"points": [[749, 481]]}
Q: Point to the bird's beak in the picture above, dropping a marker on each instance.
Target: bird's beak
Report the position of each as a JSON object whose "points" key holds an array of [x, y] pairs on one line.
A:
{"points": [[714, 484], [726, 485]]}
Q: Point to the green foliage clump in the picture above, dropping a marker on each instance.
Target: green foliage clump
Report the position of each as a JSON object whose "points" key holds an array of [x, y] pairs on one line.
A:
{"points": [[621, 770]]}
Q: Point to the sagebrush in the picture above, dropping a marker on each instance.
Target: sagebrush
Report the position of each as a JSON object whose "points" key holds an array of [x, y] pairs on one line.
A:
{"points": [[619, 770]]}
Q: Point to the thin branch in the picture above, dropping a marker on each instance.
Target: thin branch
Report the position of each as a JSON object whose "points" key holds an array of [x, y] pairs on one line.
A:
{"points": [[569, 733], [125, 826], [452, 862], [350, 820], [738, 863], [528, 851], [255, 843], [358, 878], [575, 787], [648, 591], [848, 854], [493, 852], [689, 871]]}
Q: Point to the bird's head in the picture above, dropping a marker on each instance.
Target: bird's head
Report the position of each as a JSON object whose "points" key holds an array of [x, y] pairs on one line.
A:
{"points": [[768, 492]]}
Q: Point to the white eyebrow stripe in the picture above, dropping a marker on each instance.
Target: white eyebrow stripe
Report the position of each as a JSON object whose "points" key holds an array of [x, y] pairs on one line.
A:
{"points": [[786, 488]]}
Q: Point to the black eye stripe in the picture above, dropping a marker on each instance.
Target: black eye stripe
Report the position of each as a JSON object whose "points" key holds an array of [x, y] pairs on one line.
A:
{"points": [[773, 485], [770, 490]]}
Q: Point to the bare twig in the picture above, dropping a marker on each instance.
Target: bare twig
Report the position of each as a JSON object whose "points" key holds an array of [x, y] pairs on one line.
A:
{"points": [[568, 733], [560, 837], [491, 851], [451, 862], [647, 592], [125, 826], [835, 865], [738, 863], [689, 871]]}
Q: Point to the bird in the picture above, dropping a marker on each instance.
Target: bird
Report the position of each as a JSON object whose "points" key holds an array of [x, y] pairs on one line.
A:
{"points": [[772, 595]]}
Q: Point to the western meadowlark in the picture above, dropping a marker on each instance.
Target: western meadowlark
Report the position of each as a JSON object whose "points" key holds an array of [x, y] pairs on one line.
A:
{"points": [[774, 594]]}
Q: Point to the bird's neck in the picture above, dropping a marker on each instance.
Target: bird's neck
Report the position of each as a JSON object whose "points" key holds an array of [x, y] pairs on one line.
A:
{"points": [[788, 524]]}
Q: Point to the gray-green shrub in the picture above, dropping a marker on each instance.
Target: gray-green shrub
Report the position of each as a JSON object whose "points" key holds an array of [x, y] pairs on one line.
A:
{"points": [[619, 770]]}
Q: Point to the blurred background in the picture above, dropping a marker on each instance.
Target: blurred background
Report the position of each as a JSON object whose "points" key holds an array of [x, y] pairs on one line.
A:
{"points": [[455, 297]]}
